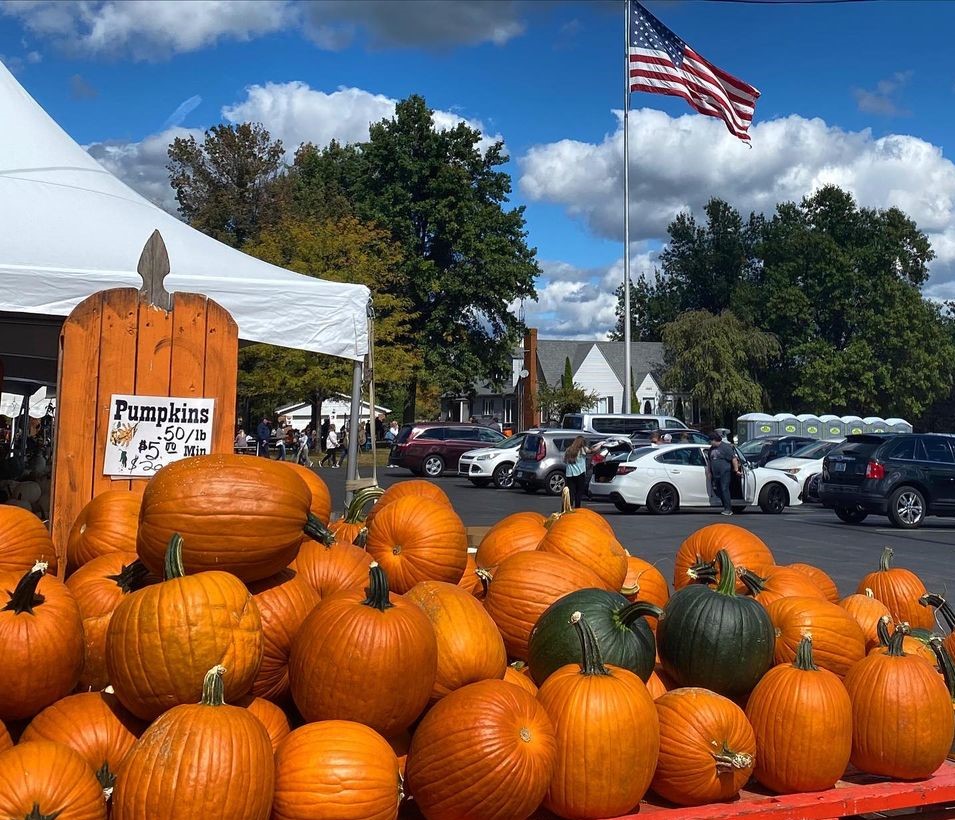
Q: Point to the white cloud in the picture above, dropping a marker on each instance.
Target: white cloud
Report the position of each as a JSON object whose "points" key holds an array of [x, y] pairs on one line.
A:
{"points": [[678, 163]]}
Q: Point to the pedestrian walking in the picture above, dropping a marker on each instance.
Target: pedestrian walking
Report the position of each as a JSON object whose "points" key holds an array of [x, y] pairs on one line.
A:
{"points": [[723, 463], [575, 470], [262, 433], [331, 448], [326, 426]]}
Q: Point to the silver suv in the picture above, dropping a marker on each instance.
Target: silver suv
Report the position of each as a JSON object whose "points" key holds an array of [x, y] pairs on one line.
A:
{"points": [[540, 461]]}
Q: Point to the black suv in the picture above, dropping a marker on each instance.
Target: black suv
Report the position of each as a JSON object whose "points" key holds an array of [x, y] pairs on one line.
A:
{"points": [[760, 451], [905, 476]]}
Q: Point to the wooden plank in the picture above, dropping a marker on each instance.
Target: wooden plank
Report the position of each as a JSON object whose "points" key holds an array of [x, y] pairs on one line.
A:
{"points": [[77, 382], [188, 345], [221, 373], [117, 374], [153, 356]]}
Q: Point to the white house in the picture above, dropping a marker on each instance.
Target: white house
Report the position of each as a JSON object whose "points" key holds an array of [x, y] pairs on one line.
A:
{"points": [[337, 408]]}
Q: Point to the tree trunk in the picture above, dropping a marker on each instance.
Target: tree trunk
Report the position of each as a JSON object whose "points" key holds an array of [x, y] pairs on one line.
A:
{"points": [[409, 412]]}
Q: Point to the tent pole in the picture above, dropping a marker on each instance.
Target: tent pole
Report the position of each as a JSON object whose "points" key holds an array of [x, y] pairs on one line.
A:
{"points": [[352, 472]]}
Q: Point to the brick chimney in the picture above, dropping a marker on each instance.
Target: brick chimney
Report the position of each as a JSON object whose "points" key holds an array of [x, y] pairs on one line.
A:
{"points": [[530, 414]]}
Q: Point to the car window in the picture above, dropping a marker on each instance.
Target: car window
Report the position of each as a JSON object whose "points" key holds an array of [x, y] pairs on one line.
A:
{"points": [[813, 450], [403, 434], [432, 434], [904, 449], [753, 447], [687, 456], [695, 457], [937, 449], [572, 422], [510, 443], [530, 444], [489, 435], [673, 423], [462, 434], [671, 457], [602, 424], [640, 452], [563, 443]]}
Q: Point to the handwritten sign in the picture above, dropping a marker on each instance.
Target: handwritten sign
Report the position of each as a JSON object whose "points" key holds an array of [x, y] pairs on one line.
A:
{"points": [[148, 432]]}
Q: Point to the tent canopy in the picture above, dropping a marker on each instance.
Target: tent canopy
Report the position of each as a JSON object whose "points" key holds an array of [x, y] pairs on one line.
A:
{"points": [[69, 228]]}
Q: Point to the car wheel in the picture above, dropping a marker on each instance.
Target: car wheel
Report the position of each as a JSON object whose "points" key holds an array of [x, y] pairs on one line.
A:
{"points": [[907, 508], [504, 476], [554, 483], [739, 508], [851, 515], [480, 482], [433, 466], [624, 507], [773, 498], [663, 499]]}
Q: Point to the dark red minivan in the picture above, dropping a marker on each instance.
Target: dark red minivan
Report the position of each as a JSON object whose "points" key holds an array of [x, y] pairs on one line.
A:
{"points": [[431, 447]]}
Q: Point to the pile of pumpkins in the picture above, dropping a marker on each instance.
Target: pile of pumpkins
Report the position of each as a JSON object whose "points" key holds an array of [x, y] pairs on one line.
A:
{"points": [[221, 650]]}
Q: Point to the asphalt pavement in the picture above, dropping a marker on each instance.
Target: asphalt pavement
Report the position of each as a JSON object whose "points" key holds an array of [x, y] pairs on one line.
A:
{"points": [[806, 533]]}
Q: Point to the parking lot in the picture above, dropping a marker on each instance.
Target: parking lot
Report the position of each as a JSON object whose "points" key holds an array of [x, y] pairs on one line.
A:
{"points": [[807, 533]]}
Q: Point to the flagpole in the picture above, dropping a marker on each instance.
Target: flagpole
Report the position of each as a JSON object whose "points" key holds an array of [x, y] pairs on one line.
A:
{"points": [[627, 377]]}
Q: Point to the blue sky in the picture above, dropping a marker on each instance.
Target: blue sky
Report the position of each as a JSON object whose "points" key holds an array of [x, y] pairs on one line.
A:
{"points": [[855, 93]]}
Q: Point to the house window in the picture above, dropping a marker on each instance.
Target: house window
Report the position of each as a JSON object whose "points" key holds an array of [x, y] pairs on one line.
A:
{"points": [[508, 411], [647, 408], [488, 407]]}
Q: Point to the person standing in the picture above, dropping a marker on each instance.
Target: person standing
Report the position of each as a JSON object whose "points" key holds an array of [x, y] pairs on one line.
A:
{"points": [[262, 433], [723, 464], [379, 427], [326, 426], [331, 448], [575, 470], [496, 425]]}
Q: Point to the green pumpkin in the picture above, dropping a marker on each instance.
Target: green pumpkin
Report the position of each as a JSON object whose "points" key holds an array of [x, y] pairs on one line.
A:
{"points": [[622, 632], [714, 638]]}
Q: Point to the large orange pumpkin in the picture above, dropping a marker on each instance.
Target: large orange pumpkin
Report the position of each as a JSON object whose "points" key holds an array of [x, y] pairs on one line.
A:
{"points": [[902, 720], [821, 579], [415, 539], [106, 524], [523, 517], [331, 568], [470, 647], [523, 586], [364, 656], [707, 747], [644, 582], [744, 548], [24, 541], [471, 582], [485, 752], [321, 506], [199, 761], [336, 770], [414, 487], [236, 514], [608, 735], [98, 586], [6, 742], [779, 582], [837, 640], [803, 723], [160, 638], [283, 601], [520, 532], [41, 642], [93, 724], [917, 642], [866, 611], [518, 673], [273, 719], [899, 589], [44, 779]]}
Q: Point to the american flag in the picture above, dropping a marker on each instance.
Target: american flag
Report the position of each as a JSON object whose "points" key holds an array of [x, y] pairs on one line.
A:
{"points": [[661, 63]]}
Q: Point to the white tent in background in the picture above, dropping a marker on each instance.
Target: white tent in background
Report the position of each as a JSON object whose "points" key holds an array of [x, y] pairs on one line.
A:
{"points": [[69, 228]]}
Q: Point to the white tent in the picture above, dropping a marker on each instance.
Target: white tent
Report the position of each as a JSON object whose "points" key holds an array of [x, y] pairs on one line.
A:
{"points": [[69, 228]]}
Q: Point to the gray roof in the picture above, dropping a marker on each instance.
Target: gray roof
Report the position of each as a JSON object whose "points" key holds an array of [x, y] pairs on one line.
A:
{"points": [[552, 353], [645, 357]]}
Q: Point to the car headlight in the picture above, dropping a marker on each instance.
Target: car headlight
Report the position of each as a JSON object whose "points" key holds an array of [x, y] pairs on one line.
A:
{"points": [[486, 457], [791, 471]]}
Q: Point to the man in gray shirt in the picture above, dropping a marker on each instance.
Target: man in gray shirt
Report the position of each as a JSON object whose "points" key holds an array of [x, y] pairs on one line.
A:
{"points": [[723, 463]]}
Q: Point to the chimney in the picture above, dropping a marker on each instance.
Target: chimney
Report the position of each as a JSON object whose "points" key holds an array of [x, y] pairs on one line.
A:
{"points": [[530, 413]]}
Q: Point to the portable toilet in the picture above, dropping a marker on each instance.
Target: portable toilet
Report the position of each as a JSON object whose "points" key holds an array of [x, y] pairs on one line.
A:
{"points": [[809, 425], [898, 425], [753, 425], [854, 425], [787, 424], [874, 424], [832, 426]]}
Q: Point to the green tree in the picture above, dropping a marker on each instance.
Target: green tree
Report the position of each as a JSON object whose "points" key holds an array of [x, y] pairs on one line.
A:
{"points": [[653, 303], [555, 400], [227, 185], [713, 358]]}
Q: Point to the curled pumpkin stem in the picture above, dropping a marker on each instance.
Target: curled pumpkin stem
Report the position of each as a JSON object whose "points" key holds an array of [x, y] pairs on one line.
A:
{"points": [[315, 529], [213, 689], [727, 760], [24, 598]]}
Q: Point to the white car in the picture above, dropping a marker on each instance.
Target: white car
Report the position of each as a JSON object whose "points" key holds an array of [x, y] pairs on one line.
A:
{"points": [[803, 465], [492, 464], [671, 476]]}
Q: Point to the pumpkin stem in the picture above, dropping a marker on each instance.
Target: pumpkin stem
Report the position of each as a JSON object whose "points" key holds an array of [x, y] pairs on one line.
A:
{"points": [[895, 649], [35, 814], [638, 609], [882, 629], [703, 572], [354, 512], [565, 505], [24, 597], [105, 777], [727, 760], [885, 560], [377, 588], [485, 577], [944, 663], [361, 539], [753, 582], [315, 529], [941, 607], [804, 660], [213, 690], [173, 567], [727, 585], [132, 577], [868, 593], [590, 661]]}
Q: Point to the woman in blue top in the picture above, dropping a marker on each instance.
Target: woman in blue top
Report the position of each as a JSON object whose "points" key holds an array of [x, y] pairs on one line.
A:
{"points": [[575, 459]]}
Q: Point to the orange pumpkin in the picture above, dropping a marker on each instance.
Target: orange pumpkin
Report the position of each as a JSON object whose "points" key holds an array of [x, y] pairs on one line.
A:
{"points": [[486, 751], [24, 541], [471, 582], [198, 761], [336, 770], [523, 586], [821, 579], [707, 747], [347, 529], [656, 686], [41, 642], [236, 514], [920, 645], [899, 589], [331, 568], [700, 548], [866, 610], [644, 582], [273, 719], [415, 488], [321, 506], [159, 638], [98, 586], [519, 674], [803, 723], [6, 742], [415, 539], [470, 647], [283, 601], [369, 657], [106, 524], [520, 532], [607, 732], [44, 779], [93, 724], [837, 640], [779, 582]]}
